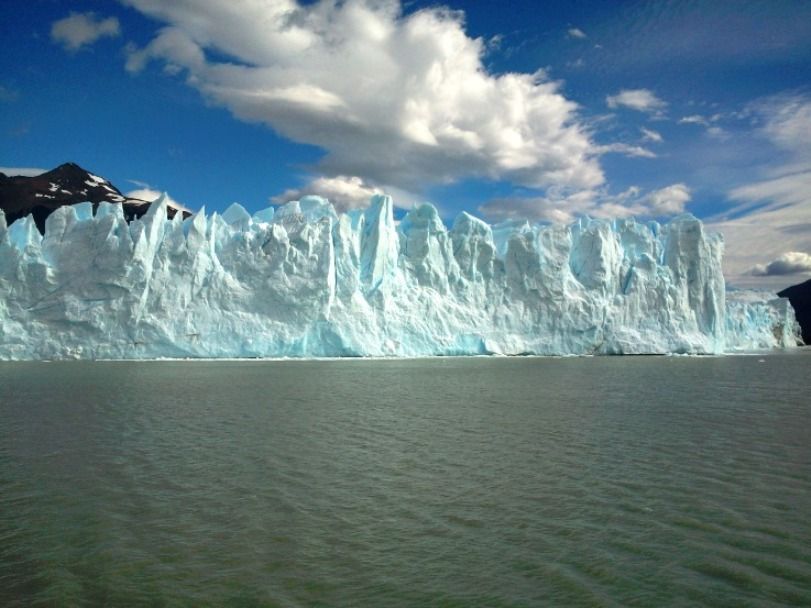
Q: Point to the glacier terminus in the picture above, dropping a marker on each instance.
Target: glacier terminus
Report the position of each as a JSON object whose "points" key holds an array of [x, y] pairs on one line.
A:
{"points": [[305, 281]]}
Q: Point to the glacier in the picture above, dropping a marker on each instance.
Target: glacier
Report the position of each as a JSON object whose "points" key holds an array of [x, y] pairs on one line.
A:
{"points": [[305, 281]]}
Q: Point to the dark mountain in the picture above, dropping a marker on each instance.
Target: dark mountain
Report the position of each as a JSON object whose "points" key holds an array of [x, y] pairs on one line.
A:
{"points": [[800, 298], [68, 184]]}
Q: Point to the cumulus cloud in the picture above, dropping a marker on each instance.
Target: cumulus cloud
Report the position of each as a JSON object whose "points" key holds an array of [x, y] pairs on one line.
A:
{"points": [[144, 194], [641, 100], [575, 32], [668, 201], [23, 171], [398, 99], [345, 192], [564, 208], [791, 262], [539, 208], [80, 29]]}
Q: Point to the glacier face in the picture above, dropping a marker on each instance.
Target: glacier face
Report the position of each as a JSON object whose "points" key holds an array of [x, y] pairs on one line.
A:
{"points": [[304, 281]]}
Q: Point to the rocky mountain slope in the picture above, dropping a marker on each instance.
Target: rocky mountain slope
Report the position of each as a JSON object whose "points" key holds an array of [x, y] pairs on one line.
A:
{"points": [[800, 298], [68, 184]]}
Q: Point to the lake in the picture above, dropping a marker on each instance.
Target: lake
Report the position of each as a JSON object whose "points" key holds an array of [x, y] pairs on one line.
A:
{"points": [[615, 481]]}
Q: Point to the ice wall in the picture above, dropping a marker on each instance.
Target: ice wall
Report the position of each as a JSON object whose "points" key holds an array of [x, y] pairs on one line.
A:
{"points": [[758, 320], [304, 281]]}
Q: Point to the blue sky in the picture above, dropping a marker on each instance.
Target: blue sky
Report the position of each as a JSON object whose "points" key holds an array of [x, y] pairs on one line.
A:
{"points": [[543, 111]]}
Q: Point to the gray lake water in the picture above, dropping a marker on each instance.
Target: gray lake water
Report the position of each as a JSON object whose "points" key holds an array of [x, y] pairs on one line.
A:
{"points": [[644, 481]]}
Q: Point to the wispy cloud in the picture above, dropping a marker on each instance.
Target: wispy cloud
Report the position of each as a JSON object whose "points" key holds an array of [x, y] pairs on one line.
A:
{"points": [[786, 124], [717, 133], [651, 135], [563, 207], [641, 100], [396, 99], [699, 119], [773, 214], [762, 235], [22, 171], [627, 150], [693, 119], [677, 35], [140, 184], [81, 29], [576, 32]]}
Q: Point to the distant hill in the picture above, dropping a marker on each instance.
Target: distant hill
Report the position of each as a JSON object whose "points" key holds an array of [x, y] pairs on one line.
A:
{"points": [[800, 298], [68, 184]]}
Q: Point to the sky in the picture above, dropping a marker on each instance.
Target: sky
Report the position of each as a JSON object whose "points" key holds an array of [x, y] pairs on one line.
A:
{"points": [[544, 111]]}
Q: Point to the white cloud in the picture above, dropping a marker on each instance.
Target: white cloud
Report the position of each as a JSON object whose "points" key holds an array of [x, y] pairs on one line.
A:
{"points": [[575, 32], [149, 195], [144, 194], [401, 100], [708, 122], [23, 171], [651, 135], [761, 235], [694, 119], [641, 100], [495, 42], [564, 208], [773, 214], [668, 201], [342, 191], [80, 29], [788, 123], [783, 189], [140, 184], [791, 262], [627, 150], [540, 208], [346, 192]]}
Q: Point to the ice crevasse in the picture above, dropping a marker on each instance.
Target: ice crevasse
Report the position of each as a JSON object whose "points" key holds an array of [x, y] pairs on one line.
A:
{"points": [[305, 281]]}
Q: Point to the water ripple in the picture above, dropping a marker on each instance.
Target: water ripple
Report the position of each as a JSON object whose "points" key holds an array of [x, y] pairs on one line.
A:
{"points": [[447, 482]]}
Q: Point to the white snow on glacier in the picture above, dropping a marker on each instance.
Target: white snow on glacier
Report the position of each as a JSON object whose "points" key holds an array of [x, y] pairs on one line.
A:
{"points": [[304, 281]]}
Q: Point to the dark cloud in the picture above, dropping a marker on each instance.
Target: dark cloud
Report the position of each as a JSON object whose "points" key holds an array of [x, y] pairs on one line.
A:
{"points": [[791, 262]]}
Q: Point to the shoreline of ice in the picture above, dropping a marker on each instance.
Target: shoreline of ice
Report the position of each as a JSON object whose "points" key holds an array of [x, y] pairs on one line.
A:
{"points": [[800, 351]]}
